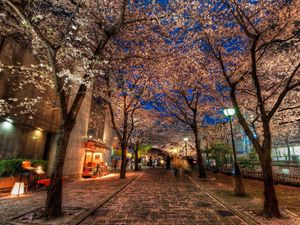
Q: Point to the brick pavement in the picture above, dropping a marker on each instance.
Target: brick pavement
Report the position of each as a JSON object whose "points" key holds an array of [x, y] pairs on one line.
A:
{"points": [[157, 197], [82, 193]]}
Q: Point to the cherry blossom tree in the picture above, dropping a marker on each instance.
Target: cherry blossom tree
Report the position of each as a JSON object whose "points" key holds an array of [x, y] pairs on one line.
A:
{"points": [[185, 95], [127, 91], [218, 132], [255, 47], [67, 39], [146, 124]]}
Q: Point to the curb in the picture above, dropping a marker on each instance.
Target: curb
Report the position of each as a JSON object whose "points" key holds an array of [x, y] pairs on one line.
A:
{"points": [[292, 214], [77, 220], [238, 213], [10, 220]]}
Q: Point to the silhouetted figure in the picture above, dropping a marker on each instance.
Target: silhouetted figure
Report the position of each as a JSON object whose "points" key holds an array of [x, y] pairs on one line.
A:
{"points": [[191, 162], [168, 163], [98, 169], [151, 162], [139, 164], [115, 163]]}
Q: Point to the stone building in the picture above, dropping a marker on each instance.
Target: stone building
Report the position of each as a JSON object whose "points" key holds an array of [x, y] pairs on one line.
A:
{"points": [[34, 136]]}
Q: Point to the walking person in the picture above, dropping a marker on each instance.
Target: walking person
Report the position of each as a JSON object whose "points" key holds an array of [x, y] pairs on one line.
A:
{"points": [[150, 162], [98, 170], [168, 163], [176, 166], [115, 162]]}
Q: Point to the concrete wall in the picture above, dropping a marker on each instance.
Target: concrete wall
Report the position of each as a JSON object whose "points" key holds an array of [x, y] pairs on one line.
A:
{"points": [[75, 153], [108, 134], [19, 141], [24, 137]]}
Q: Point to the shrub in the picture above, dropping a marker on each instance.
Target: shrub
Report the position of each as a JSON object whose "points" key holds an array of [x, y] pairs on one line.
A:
{"points": [[249, 162], [13, 167], [221, 152]]}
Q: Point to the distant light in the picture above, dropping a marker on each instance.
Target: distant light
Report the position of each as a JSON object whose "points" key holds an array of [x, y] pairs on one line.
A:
{"points": [[9, 120], [39, 170], [90, 136], [6, 125], [285, 171], [229, 112], [36, 134], [40, 129], [186, 139], [18, 188]]}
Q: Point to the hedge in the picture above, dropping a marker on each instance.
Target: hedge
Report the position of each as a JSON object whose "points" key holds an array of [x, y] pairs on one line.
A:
{"points": [[13, 167]]}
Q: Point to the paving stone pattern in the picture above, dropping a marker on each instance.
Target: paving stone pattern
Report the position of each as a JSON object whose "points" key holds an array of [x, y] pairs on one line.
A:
{"points": [[157, 197], [83, 193]]}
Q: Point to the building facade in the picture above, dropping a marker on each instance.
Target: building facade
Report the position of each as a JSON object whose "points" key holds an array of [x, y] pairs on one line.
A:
{"points": [[34, 136]]}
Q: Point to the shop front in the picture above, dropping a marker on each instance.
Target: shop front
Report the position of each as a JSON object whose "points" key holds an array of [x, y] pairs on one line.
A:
{"points": [[96, 162]]}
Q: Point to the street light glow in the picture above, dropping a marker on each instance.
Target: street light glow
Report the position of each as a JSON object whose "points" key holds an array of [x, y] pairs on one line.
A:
{"points": [[186, 139], [6, 125], [9, 120], [229, 112]]}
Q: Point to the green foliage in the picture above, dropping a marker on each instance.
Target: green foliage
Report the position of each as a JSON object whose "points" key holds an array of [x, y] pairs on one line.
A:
{"points": [[143, 149], [10, 167], [13, 167], [250, 161], [221, 152]]}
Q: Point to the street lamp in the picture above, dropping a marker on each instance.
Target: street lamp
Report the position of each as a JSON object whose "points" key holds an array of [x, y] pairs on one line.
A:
{"points": [[237, 178], [186, 139]]}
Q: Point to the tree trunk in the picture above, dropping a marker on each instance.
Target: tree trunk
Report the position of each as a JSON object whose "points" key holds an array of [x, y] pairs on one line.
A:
{"points": [[54, 194], [136, 158], [271, 208], [123, 164], [202, 173], [238, 186]]}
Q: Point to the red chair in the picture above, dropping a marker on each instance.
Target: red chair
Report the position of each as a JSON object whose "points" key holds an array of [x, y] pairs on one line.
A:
{"points": [[46, 182]]}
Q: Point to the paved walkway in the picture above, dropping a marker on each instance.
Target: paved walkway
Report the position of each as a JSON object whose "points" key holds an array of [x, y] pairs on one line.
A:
{"points": [[83, 193], [157, 197]]}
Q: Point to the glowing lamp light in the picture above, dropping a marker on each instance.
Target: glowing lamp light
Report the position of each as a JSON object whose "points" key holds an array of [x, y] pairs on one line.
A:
{"points": [[185, 139], [90, 136], [18, 189], [39, 170], [37, 133], [229, 112], [39, 129], [26, 164], [9, 120], [6, 125]]}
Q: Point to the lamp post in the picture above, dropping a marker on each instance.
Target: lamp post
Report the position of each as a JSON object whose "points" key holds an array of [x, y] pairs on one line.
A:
{"points": [[237, 178], [186, 139]]}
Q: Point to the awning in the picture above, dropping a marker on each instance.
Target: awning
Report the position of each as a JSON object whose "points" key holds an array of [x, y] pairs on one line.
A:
{"points": [[93, 144]]}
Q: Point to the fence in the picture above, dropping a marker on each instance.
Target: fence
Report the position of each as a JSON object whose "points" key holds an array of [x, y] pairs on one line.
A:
{"points": [[279, 178]]}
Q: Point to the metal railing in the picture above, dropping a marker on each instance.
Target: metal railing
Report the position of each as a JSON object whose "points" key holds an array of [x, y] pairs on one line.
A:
{"points": [[279, 178]]}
